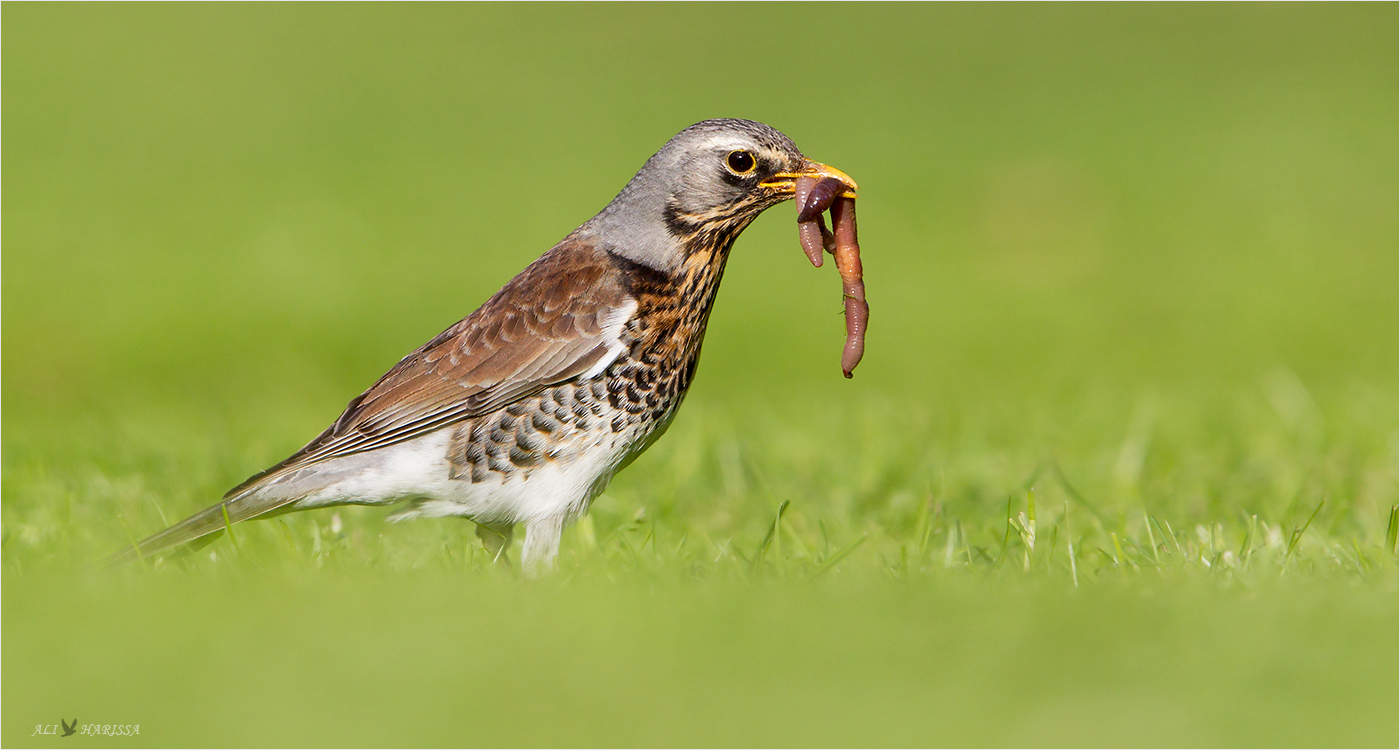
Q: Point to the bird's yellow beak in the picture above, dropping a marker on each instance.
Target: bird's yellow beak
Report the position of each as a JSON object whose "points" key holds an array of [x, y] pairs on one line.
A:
{"points": [[785, 183]]}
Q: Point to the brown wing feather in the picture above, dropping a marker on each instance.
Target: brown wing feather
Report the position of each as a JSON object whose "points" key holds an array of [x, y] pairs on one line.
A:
{"points": [[543, 328]]}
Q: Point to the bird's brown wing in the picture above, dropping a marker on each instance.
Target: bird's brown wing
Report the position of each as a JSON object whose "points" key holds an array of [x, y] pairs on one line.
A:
{"points": [[555, 321]]}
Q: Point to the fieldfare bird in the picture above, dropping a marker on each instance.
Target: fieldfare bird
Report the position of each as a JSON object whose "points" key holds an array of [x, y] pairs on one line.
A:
{"points": [[522, 412]]}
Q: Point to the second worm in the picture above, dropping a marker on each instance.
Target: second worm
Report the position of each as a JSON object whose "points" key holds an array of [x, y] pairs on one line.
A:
{"points": [[847, 253]]}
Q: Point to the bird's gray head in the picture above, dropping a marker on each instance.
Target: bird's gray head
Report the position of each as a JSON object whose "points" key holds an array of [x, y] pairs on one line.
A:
{"points": [[705, 185]]}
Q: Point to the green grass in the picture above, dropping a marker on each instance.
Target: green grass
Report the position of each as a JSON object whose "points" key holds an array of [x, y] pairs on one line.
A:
{"points": [[1119, 468]]}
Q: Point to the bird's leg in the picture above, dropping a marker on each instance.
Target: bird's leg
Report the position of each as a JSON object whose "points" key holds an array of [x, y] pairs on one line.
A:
{"points": [[496, 540], [541, 544]]}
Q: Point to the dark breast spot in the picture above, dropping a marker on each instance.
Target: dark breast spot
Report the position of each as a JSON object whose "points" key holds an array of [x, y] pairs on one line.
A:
{"points": [[530, 441], [544, 423], [524, 458]]}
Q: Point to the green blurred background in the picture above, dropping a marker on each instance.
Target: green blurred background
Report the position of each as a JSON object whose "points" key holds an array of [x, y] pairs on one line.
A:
{"points": [[1147, 250]]}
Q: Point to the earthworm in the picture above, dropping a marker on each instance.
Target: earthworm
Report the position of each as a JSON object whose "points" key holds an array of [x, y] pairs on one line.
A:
{"points": [[820, 197], [812, 198], [809, 232], [847, 253]]}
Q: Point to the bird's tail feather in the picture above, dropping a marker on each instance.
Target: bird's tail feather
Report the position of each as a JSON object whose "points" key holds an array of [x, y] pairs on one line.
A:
{"points": [[202, 525]]}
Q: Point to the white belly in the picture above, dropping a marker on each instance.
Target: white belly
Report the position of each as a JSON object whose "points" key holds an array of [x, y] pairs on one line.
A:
{"points": [[418, 470]]}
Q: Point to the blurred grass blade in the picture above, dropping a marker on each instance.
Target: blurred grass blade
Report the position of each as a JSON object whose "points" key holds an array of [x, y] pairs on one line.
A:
{"points": [[1392, 529], [1006, 537], [839, 555], [771, 536], [228, 526], [1147, 522], [1069, 543], [923, 525], [1298, 531]]}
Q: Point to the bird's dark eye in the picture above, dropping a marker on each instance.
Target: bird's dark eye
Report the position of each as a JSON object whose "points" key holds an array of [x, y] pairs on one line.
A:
{"points": [[741, 162]]}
